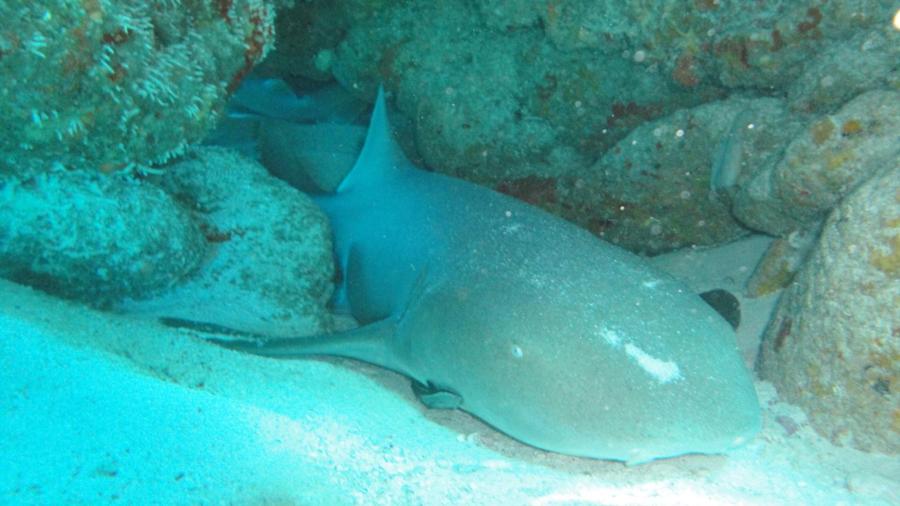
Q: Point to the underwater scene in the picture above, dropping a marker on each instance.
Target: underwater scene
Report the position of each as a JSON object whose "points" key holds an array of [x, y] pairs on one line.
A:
{"points": [[441, 252]]}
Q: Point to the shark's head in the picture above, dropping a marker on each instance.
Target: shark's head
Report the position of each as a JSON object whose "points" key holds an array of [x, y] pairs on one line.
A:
{"points": [[632, 372]]}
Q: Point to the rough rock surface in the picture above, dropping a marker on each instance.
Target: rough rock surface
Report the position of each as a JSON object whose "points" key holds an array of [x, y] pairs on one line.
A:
{"points": [[270, 268], [491, 104], [869, 60], [783, 259], [94, 237], [302, 32], [833, 346], [668, 184], [104, 85], [576, 73], [832, 156]]}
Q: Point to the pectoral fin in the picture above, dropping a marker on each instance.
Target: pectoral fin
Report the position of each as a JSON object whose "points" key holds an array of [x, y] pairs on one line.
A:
{"points": [[436, 397]]}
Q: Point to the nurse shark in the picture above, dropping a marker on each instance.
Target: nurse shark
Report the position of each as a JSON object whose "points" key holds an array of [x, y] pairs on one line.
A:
{"points": [[547, 333]]}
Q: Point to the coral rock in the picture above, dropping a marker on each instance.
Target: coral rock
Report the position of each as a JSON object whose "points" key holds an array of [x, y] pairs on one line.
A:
{"points": [[668, 183], [834, 155], [833, 346], [270, 267], [94, 237], [104, 85]]}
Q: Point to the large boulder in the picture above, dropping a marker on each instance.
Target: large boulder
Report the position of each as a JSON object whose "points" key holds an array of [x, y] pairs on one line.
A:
{"points": [[269, 268], [669, 183], [105, 85], [833, 346], [832, 156], [843, 70], [94, 237]]}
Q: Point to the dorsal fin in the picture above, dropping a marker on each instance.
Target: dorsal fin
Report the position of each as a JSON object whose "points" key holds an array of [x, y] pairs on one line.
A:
{"points": [[380, 155]]}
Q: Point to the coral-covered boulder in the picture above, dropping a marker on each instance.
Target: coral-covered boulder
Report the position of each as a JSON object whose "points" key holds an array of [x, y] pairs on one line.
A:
{"points": [[833, 346], [669, 183], [845, 69], [494, 98], [269, 269], [833, 155], [94, 237], [105, 85]]}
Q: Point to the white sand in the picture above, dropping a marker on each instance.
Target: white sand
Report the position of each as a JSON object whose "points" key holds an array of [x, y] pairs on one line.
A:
{"points": [[101, 408]]}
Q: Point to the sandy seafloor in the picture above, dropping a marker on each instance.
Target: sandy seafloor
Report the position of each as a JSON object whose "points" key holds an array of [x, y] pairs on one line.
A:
{"points": [[103, 408]]}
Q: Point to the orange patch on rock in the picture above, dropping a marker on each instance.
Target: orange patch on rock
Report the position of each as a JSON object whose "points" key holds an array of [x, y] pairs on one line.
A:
{"points": [[685, 72]]}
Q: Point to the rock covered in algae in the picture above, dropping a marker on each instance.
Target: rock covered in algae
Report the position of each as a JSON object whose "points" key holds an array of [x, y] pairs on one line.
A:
{"points": [[833, 155], [668, 184], [845, 69], [781, 262], [100, 86], [94, 237], [103, 85], [832, 347], [269, 269]]}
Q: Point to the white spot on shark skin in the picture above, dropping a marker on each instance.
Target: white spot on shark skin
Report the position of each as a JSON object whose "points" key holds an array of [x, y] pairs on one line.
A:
{"points": [[611, 337], [652, 283], [512, 228], [738, 441], [664, 371]]}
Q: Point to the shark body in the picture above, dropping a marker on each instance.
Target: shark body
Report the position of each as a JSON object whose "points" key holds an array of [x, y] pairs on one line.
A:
{"points": [[549, 334]]}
